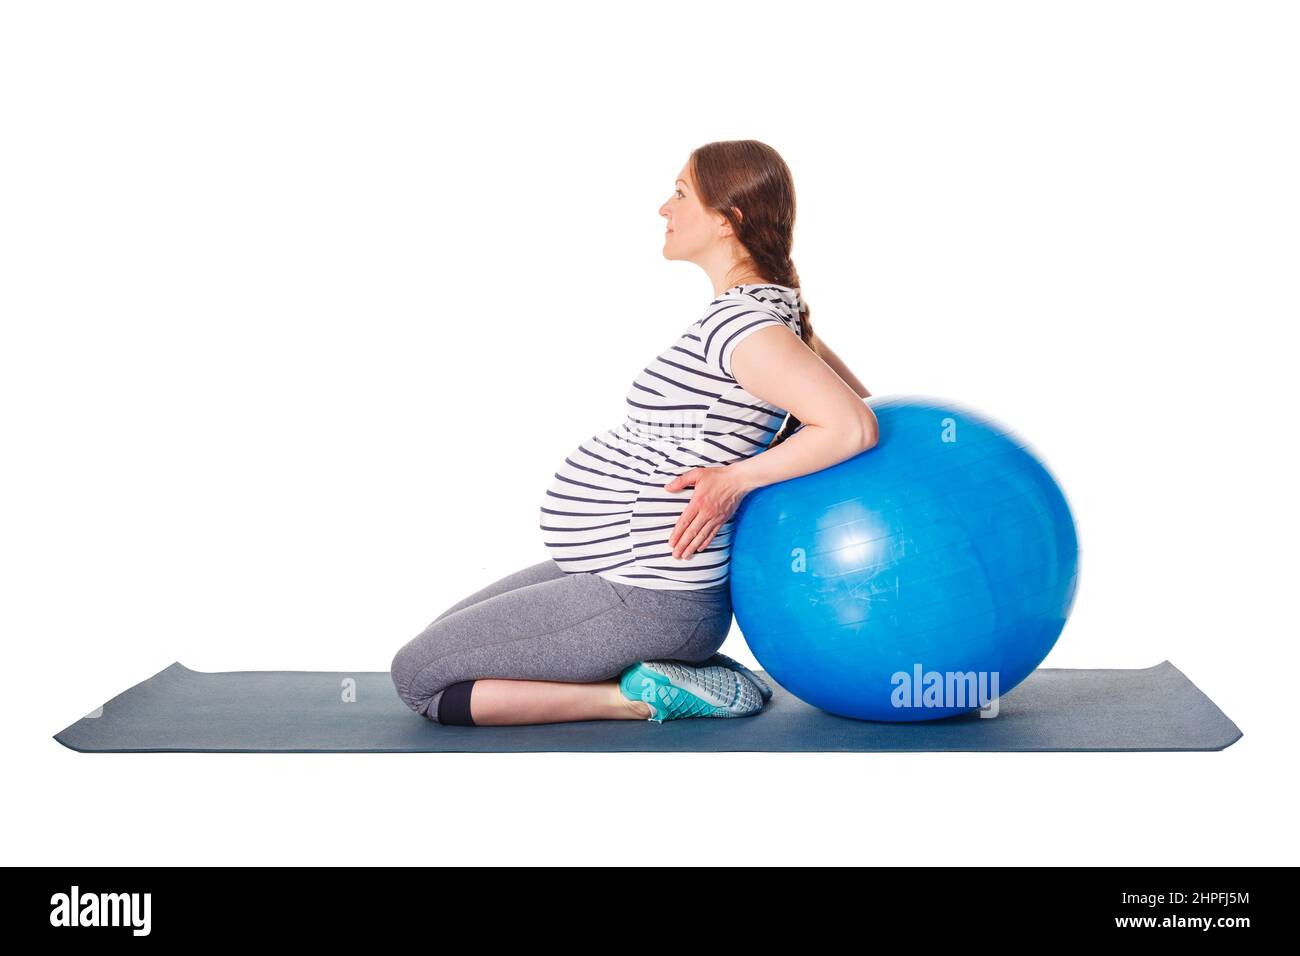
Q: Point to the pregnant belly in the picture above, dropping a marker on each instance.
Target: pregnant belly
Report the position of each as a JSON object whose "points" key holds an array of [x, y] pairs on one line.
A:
{"points": [[606, 502]]}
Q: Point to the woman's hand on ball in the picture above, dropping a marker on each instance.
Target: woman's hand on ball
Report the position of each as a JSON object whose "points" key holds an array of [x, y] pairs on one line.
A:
{"points": [[718, 492]]}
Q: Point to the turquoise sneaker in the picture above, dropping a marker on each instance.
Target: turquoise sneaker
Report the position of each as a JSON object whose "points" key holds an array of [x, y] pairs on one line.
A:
{"points": [[675, 690]]}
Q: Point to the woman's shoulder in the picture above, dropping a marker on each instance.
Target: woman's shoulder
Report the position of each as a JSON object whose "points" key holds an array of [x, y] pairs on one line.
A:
{"points": [[749, 298], [735, 315], [762, 294], [756, 301]]}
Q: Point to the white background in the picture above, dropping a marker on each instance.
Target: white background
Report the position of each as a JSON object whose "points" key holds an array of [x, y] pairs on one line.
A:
{"points": [[303, 303]]}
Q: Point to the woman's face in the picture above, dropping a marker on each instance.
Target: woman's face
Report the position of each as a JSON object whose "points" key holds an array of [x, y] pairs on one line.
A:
{"points": [[690, 229]]}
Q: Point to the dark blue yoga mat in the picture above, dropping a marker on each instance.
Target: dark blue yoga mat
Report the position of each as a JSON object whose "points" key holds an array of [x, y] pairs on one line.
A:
{"points": [[185, 711]]}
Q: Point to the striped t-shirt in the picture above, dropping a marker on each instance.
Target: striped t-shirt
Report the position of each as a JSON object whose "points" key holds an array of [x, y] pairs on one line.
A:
{"points": [[607, 512]]}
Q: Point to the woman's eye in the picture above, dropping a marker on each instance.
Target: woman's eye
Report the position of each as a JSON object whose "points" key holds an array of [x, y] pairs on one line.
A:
{"points": [[680, 194]]}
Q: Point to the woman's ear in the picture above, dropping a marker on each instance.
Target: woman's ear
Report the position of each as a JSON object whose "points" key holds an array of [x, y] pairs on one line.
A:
{"points": [[724, 225]]}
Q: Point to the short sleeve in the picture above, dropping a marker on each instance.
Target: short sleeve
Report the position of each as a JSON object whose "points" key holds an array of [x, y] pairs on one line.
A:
{"points": [[727, 324]]}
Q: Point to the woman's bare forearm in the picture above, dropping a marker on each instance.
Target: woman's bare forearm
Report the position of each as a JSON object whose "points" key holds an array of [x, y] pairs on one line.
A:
{"points": [[811, 448], [836, 363]]}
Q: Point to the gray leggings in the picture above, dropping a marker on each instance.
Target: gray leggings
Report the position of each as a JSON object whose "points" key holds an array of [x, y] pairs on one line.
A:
{"points": [[543, 623]]}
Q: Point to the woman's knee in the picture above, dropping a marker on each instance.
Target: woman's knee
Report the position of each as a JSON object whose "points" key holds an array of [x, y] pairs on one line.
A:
{"points": [[415, 676]]}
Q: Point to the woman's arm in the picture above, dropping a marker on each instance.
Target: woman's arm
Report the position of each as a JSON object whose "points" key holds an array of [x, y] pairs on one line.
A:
{"points": [[835, 362], [774, 365]]}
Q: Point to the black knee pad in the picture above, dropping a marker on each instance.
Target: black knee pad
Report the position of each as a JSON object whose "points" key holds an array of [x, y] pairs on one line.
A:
{"points": [[453, 706]]}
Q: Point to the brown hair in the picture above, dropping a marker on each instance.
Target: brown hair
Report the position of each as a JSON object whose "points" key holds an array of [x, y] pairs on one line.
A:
{"points": [[751, 176]]}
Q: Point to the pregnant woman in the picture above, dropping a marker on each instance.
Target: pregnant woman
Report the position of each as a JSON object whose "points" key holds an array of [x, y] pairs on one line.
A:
{"points": [[625, 619]]}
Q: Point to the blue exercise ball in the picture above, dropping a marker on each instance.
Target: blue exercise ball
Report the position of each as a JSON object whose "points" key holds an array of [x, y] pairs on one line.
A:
{"points": [[917, 580]]}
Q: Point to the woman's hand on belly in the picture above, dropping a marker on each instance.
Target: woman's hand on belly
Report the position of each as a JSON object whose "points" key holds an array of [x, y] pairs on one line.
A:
{"points": [[718, 493]]}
